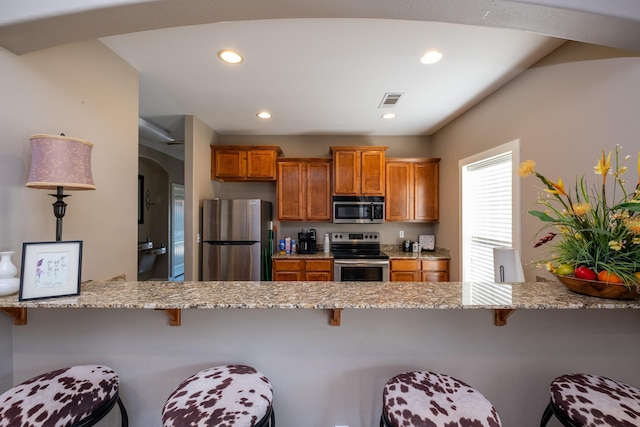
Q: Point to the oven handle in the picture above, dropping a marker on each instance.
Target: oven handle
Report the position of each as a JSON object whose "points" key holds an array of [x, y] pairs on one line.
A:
{"points": [[360, 263]]}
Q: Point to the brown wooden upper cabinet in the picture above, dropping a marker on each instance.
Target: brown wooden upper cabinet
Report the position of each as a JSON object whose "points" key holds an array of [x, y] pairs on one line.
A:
{"points": [[412, 190], [304, 189], [358, 170], [244, 163]]}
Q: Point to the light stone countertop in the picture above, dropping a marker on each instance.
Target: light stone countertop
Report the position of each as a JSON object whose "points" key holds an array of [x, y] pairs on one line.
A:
{"points": [[323, 295], [393, 251]]}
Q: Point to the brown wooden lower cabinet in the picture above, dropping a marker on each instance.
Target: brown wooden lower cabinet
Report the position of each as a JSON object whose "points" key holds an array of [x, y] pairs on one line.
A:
{"points": [[310, 270], [416, 270]]}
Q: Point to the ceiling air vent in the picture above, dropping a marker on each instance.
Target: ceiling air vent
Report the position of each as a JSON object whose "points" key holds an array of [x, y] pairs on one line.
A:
{"points": [[390, 99]]}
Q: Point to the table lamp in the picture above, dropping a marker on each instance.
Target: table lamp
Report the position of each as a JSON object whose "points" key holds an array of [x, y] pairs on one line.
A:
{"points": [[59, 162]]}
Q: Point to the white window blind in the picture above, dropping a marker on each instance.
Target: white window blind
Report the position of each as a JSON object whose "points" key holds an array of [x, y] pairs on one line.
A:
{"points": [[487, 213]]}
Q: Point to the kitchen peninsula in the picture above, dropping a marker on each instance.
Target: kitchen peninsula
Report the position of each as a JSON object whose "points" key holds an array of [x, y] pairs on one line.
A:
{"points": [[320, 295], [281, 328]]}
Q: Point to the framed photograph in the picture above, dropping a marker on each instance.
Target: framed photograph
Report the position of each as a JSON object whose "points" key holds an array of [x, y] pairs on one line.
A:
{"points": [[50, 269]]}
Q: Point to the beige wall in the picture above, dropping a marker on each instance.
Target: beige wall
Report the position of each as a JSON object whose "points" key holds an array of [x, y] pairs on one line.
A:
{"points": [[579, 100], [85, 91], [198, 186]]}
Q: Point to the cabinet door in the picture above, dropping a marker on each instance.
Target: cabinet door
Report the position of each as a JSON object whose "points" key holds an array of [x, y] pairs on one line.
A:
{"points": [[435, 270], [346, 172], [230, 164], [404, 270], [372, 173], [404, 276], [286, 270], [426, 195], [261, 164], [318, 191], [290, 191], [435, 276], [399, 188]]}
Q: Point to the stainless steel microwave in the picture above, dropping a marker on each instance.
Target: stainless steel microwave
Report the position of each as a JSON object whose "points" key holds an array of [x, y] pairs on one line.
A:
{"points": [[358, 209]]}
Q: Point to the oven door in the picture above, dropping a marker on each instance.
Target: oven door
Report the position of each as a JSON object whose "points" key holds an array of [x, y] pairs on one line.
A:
{"points": [[350, 270]]}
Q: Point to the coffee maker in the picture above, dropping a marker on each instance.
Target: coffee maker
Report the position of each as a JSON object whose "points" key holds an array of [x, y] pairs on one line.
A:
{"points": [[307, 242]]}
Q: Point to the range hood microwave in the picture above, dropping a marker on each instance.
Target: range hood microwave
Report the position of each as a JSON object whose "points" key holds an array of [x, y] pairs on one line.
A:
{"points": [[358, 209]]}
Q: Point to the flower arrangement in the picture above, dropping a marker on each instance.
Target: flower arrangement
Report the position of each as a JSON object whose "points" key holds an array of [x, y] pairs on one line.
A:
{"points": [[597, 228]]}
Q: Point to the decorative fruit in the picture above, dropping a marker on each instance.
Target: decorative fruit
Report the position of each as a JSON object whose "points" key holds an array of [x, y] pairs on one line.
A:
{"points": [[583, 272], [637, 276], [607, 276], [564, 270]]}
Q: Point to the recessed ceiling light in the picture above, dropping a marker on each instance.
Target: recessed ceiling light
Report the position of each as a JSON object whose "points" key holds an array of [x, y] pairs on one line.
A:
{"points": [[389, 116], [264, 115], [431, 57], [230, 56]]}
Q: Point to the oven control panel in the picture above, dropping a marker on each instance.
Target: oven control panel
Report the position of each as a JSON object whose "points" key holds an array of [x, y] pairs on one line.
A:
{"points": [[369, 236]]}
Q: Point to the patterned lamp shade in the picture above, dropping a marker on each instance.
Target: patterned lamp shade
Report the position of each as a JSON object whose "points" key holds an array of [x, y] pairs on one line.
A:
{"points": [[60, 161]]}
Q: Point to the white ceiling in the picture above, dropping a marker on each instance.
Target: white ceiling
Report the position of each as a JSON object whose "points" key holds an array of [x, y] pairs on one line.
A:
{"points": [[320, 67], [324, 76]]}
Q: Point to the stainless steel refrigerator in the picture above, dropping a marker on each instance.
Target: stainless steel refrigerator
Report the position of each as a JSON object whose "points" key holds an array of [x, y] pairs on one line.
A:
{"points": [[236, 239]]}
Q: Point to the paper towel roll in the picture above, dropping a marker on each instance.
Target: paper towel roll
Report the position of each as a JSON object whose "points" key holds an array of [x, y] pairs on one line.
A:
{"points": [[506, 265]]}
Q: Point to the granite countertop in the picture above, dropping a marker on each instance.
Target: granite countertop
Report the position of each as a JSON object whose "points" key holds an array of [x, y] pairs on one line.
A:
{"points": [[394, 251], [323, 295]]}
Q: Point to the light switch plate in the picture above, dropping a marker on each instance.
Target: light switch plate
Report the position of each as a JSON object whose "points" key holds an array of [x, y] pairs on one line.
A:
{"points": [[427, 242]]}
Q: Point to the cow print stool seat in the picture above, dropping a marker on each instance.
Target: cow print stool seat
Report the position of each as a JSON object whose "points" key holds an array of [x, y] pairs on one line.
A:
{"points": [[231, 395], [78, 396], [584, 400], [422, 398]]}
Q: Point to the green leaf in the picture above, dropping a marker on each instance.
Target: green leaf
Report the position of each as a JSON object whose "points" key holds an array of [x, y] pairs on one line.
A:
{"points": [[542, 216], [632, 206]]}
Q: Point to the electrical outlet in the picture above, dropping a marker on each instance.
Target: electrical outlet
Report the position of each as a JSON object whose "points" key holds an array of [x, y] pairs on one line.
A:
{"points": [[402, 234]]}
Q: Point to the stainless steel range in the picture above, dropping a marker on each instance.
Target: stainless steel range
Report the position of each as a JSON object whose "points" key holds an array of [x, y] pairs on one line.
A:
{"points": [[357, 257]]}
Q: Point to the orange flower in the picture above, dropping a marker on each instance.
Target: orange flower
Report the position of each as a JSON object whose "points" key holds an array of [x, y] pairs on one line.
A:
{"points": [[559, 188], [603, 166]]}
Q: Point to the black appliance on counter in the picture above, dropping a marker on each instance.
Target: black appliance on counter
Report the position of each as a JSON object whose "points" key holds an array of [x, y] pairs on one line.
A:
{"points": [[357, 257], [307, 242]]}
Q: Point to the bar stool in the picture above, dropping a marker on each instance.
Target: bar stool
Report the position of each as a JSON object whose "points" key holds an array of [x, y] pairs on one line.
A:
{"points": [[227, 395], [585, 400], [78, 396], [422, 398]]}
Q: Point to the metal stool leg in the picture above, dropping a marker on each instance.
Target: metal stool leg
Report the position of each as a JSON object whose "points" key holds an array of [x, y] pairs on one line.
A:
{"points": [[546, 416]]}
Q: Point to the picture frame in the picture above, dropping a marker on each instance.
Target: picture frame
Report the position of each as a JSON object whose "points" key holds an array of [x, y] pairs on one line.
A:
{"points": [[50, 269]]}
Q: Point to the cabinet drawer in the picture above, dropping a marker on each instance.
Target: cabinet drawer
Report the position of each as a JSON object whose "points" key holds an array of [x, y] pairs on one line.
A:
{"points": [[319, 265], [435, 265], [318, 276], [288, 265], [404, 265]]}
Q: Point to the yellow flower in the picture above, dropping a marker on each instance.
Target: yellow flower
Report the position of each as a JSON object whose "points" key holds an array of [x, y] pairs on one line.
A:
{"points": [[559, 188], [633, 226], [528, 167], [615, 245], [581, 209], [603, 166]]}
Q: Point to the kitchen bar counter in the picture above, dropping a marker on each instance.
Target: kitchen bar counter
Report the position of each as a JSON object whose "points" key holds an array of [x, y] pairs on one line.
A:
{"points": [[322, 295]]}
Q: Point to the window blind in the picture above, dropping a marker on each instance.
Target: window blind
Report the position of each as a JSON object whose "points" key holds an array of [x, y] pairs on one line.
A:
{"points": [[487, 214]]}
